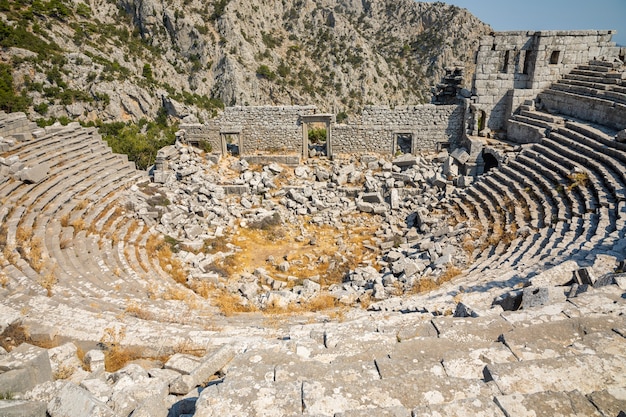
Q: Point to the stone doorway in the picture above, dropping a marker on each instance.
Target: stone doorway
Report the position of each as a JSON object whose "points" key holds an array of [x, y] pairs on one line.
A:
{"points": [[231, 141], [402, 143], [490, 162], [317, 134], [314, 142]]}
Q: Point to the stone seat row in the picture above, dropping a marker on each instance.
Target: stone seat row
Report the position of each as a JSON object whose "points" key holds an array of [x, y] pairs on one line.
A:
{"points": [[585, 213], [515, 363], [84, 180]]}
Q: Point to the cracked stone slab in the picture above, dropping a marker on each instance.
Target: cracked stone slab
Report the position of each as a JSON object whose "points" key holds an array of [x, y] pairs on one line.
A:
{"points": [[473, 407], [586, 373], [609, 401], [469, 329], [565, 404]]}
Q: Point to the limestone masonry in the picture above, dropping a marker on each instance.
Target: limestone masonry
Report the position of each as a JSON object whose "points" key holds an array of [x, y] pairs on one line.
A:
{"points": [[461, 258]]}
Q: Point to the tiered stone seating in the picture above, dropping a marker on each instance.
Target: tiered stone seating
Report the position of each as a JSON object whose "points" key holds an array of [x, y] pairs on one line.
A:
{"points": [[74, 211], [569, 177], [592, 92], [558, 360]]}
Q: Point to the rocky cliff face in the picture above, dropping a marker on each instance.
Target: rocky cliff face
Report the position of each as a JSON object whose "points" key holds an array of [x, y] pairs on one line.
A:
{"points": [[126, 59]]}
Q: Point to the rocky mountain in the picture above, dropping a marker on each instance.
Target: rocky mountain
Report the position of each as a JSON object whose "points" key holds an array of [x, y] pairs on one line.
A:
{"points": [[128, 59]]}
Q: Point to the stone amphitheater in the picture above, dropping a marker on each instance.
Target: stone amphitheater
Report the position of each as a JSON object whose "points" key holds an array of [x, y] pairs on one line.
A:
{"points": [[532, 325]]}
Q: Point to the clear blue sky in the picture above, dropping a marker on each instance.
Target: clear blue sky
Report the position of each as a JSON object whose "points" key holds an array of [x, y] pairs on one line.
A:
{"points": [[505, 15]]}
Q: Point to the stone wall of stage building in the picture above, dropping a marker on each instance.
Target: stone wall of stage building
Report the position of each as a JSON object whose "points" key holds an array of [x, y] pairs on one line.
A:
{"points": [[260, 128], [512, 67], [429, 125], [280, 128]]}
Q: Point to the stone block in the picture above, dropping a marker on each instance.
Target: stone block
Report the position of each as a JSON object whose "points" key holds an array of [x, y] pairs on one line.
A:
{"points": [[210, 365], [585, 373], [94, 359], [406, 160], [610, 402], [547, 404], [474, 407], [34, 175], [561, 274], [374, 198], [21, 408], [539, 296], [73, 401], [24, 368]]}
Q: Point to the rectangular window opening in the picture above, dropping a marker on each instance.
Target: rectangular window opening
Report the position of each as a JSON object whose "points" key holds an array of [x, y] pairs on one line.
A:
{"points": [[554, 57], [505, 64]]}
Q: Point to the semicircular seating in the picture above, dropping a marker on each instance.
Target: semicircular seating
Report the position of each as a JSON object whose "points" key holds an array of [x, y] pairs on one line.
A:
{"points": [[565, 190]]}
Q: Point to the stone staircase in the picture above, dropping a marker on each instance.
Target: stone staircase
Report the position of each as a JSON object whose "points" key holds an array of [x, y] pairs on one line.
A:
{"points": [[594, 92]]}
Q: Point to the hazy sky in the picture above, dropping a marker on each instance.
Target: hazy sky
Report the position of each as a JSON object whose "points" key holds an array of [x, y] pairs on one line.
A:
{"points": [[550, 14]]}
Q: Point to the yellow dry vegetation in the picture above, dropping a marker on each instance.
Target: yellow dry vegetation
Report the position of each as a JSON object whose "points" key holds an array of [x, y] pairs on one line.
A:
{"points": [[426, 284], [158, 248], [578, 179], [292, 243]]}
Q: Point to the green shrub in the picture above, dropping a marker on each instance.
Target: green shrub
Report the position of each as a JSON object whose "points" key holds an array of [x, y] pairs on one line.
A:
{"points": [[265, 72], [317, 135], [41, 108], [140, 141], [9, 101]]}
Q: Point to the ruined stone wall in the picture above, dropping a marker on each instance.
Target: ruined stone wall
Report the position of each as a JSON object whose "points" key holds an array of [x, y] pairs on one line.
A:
{"points": [[375, 132], [263, 128], [512, 67], [280, 128]]}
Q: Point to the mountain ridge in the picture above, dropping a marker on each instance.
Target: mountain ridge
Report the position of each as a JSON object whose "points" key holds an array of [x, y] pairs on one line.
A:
{"points": [[125, 60]]}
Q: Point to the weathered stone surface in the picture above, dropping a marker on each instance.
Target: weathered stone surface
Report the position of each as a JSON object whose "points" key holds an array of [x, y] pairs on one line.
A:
{"points": [[547, 404], [476, 407], [208, 367], [25, 367], [21, 408], [465, 330], [585, 373], [610, 402], [539, 296], [34, 175], [73, 401], [94, 359], [182, 363]]}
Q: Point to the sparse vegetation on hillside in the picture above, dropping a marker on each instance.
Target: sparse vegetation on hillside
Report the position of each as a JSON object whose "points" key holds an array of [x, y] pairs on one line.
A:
{"points": [[106, 61]]}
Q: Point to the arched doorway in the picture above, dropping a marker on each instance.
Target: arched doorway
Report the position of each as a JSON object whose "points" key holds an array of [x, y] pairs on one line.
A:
{"points": [[490, 161]]}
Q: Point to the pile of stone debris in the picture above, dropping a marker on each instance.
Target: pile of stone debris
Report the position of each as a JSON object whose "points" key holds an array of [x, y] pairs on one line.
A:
{"points": [[195, 199]]}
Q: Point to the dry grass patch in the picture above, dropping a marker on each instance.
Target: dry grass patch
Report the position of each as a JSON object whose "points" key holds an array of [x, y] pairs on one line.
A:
{"points": [[35, 255], [48, 280], [116, 356], [63, 372], [10, 254], [23, 234], [65, 220], [578, 179], [15, 334], [82, 204], [78, 225], [229, 303], [4, 279], [188, 347], [135, 309], [427, 284], [157, 247]]}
